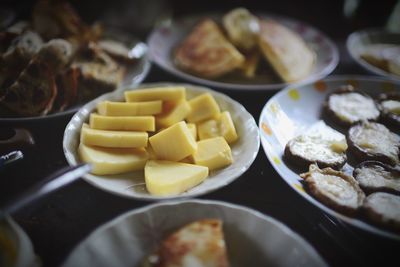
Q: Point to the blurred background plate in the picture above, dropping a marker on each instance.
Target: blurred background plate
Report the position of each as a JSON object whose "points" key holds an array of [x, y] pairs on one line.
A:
{"points": [[135, 74], [16, 249], [358, 41], [252, 239], [295, 109], [244, 151], [164, 39]]}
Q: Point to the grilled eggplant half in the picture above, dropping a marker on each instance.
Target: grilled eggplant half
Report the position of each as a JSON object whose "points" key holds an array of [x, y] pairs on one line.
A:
{"points": [[383, 209], [375, 176], [347, 106], [335, 189], [373, 141]]}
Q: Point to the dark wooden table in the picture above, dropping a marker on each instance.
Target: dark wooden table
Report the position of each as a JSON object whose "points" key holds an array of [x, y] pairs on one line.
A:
{"points": [[59, 221]]}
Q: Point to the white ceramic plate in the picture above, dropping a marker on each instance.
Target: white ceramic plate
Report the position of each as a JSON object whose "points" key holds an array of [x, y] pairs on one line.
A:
{"points": [[135, 74], [252, 239], [293, 110], [357, 41], [163, 40], [21, 252], [244, 151]]}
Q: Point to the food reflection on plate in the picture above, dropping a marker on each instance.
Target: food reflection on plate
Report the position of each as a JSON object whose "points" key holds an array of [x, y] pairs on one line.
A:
{"points": [[244, 47], [56, 61]]}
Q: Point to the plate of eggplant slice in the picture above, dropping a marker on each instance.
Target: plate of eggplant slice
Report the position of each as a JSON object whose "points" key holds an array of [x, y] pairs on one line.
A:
{"points": [[336, 142], [55, 62]]}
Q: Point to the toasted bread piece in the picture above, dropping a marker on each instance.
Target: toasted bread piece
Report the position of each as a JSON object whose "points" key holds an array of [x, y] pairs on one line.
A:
{"points": [[17, 56], [347, 106], [319, 144], [35, 90], [242, 28], [117, 50], [375, 176], [98, 73], [286, 51], [383, 209], [334, 188], [200, 243], [373, 141], [206, 52]]}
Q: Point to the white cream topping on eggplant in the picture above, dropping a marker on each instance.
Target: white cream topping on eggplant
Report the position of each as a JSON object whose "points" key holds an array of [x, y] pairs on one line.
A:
{"points": [[353, 107]]}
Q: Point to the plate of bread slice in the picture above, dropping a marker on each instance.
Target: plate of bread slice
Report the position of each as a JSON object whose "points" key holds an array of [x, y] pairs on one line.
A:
{"points": [[212, 233], [241, 50], [336, 143], [162, 140], [55, 62]]}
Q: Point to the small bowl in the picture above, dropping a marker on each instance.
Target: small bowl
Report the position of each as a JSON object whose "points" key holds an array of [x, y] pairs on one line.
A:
{"points": [[252, 238], [16, 249], [357, 41]]}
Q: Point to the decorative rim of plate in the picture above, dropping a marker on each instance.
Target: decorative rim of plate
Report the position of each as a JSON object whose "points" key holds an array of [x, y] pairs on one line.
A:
{"points": [[301, 27], [361, 224], [200, 202], [70, 157], [143, 63], [354, 39]]}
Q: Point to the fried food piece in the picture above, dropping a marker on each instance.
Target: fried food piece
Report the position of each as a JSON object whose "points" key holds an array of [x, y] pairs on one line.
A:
{"points": [[97, 74], [200, 243], [347, 106], [383, 209], [286, 51], [242, 28], [320, 144], [207, 53], [335, 189], [17, 56], [373, 141], [35, 90], [375, 176]]}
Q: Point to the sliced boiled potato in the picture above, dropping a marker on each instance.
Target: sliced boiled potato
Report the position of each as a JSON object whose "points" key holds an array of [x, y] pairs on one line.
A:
{"points": [[166, 178], [193, 130], [159, 93], [103, 138], [204, 107], [174, 112], [213, 153], [220, 126], [173, 143], [106, 161], [123, 123], [109, 108]]}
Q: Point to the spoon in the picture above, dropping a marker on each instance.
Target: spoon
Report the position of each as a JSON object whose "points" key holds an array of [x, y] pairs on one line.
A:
{"points": [[53, 182]]}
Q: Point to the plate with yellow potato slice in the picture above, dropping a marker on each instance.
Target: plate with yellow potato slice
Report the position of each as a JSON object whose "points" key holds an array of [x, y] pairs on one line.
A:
{"points": [[162, 140]]}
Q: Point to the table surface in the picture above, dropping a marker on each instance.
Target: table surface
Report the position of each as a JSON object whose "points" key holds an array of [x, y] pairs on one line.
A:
{"points": [[60, 220]]}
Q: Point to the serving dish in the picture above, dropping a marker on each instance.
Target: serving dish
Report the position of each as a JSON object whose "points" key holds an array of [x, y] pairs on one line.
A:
{"points": [[252, 238], [164, 39], [132, 184], [358, 41], [293, 110], [16, 249], [136, 73]]}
